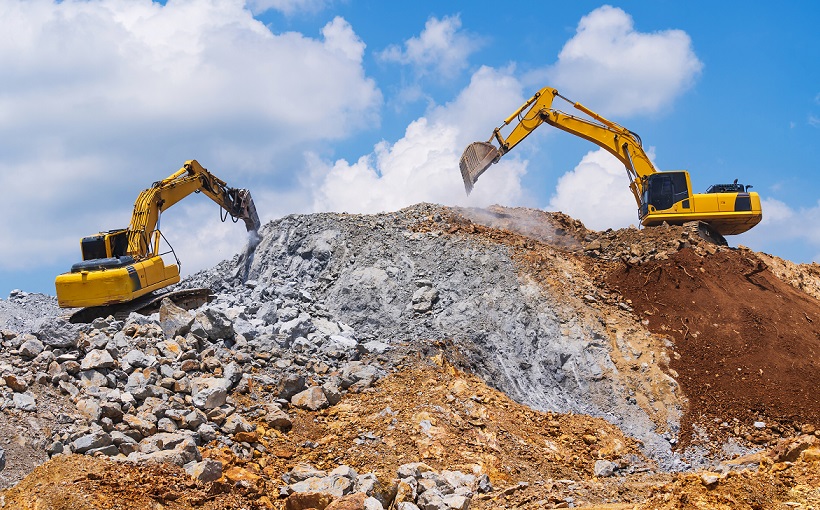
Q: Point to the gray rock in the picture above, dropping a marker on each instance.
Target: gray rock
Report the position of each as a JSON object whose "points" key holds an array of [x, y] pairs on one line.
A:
{"points": [[24, 401], [312, 399], [206, 433], [91, 441], [298, 327], [214, 323], [55, 448], [413, 470], [56, 332], [267, 312], [431, 499], [338, 486], [237, 423], [604, 468], [303, 471], [375, 347], [209, 392], [92, 378], [174, 320], [208, 470], [332, 392], [371, 503], [139, 359], [97, 359], [290, 385], [2, 459], [137, 385], [31, 347], [357, 376], [277, 418], [456, 502]]}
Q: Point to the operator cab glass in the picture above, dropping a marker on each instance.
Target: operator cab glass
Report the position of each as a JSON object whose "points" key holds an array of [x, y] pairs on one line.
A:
{"points": [[663, 190]]}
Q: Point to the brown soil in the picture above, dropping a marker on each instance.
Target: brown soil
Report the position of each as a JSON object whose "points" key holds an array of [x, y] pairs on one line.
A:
{"points": [[747, 345], [535, 460], [73, 482]]}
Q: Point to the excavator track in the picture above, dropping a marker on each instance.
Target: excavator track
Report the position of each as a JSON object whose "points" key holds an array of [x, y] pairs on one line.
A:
{"points": [[706, 232], [145, 305]]}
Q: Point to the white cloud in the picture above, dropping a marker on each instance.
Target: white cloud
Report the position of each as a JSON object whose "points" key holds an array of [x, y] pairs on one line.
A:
{"points": [[783, 225], [610, 67], [288, 7], [616, 70], [442, 48], [423, 165], [597, 193], [102, 98]]}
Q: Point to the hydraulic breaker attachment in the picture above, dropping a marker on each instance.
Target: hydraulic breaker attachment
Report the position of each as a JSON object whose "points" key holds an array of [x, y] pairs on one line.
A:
{"points": [[477, 157]]}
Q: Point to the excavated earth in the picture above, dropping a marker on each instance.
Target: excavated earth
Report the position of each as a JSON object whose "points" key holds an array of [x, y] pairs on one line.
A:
{"points": [[545, 364]]}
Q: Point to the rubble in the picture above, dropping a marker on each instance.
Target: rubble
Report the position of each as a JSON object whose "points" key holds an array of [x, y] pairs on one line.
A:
{"points": [[345, 364]]}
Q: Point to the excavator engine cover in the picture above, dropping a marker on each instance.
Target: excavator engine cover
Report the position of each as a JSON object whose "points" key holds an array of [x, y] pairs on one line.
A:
{"points": [[477, 157]]}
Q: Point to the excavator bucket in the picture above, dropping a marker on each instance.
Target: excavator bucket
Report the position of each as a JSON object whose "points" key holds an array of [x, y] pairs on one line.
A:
{"points": [[477, 157]]}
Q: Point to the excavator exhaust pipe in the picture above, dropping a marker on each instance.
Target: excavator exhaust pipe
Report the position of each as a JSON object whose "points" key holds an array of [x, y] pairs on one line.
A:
{"points": [[477, 158]]}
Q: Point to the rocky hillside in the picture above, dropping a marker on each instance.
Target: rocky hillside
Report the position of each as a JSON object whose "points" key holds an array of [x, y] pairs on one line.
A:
{"points": [[430, 358]]}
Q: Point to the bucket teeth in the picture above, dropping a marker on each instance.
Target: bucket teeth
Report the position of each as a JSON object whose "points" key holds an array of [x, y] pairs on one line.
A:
{"points": [[477, 157]]}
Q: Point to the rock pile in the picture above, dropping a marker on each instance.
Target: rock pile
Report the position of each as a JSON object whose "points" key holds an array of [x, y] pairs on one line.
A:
{"points": [[416, 486], [153, 389]]}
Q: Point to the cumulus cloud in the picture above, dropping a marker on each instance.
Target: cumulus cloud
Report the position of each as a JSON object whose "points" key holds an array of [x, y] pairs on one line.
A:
{"points": [[102, 98], [442, 48], [618, 70], [596, 192], [423, 165]]}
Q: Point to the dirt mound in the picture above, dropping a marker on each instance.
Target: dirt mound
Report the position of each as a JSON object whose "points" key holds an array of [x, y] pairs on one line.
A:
{"points": [[446, 418], [71, 482], [746, 343]]}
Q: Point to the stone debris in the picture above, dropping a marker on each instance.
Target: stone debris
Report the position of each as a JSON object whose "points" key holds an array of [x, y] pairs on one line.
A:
{"points": [[415, 485], [153, 389], [329, 306]]}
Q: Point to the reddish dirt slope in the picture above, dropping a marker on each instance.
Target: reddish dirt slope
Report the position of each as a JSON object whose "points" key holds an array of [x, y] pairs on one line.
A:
{"points": [[747, 344]]}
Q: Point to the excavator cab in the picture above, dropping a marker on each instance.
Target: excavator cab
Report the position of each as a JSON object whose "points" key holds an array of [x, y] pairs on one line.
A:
{"points": [[663, 190]]}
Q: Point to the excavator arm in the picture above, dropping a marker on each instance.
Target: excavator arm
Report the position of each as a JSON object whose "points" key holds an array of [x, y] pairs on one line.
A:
{"points": [[617, 140], [662, 197], [143, 234]]}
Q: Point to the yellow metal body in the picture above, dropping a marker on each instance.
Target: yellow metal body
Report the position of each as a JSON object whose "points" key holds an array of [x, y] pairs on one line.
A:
{"points": [[727, 213], [114, 285], [121, 265]]}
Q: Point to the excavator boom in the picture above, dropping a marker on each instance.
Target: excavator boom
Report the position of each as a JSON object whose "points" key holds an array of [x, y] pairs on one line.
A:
{"points": [[660, 196]]}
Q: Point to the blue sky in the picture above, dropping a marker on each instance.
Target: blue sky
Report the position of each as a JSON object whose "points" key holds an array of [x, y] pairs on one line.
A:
{"points": [[322, 105]]}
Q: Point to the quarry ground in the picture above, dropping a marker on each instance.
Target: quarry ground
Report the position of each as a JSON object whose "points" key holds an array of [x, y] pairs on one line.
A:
{"points": [[546, 348]]}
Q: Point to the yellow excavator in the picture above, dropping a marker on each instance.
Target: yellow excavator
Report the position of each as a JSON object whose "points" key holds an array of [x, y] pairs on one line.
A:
{"points": [[122, 268], [725, 209]]}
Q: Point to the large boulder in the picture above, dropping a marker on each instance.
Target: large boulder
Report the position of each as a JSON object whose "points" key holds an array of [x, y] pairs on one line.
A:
{"points": [[56, 332], [174, 320], [209, 392]]}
